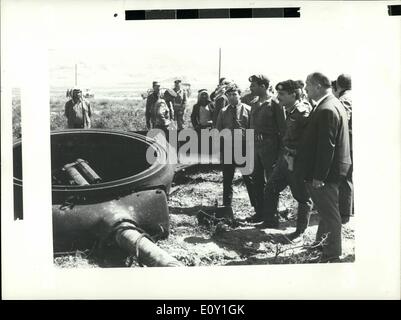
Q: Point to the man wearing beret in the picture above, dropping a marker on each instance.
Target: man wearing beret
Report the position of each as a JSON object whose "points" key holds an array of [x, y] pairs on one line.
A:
{"points": [[323, 159], [180, 103], [289, 95], [150, 102], [236, 115], [343, 83], [268, 122]]}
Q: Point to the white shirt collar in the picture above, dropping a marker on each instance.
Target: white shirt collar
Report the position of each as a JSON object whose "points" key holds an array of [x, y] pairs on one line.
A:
{"points": [[322, 98]]}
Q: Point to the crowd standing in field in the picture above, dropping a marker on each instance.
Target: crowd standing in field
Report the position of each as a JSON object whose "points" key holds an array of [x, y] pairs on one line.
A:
{"points": [[302, 139]]}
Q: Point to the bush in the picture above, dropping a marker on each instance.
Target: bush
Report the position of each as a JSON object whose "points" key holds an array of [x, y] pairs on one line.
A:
{"points": [[120, 119]]}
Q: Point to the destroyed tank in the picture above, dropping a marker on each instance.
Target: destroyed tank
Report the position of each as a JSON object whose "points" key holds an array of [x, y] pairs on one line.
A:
{"points": [[104, 189]]}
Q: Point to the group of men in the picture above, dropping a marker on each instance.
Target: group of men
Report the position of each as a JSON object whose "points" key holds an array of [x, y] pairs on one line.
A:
{"points": [[162, 111], [302, 139]]}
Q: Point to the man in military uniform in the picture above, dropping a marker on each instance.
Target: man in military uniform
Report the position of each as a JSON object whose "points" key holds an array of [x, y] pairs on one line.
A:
{"points": [[267, 118], [78, 111], [150, 102], [289, 95], [235, 115], [346, 204], [180, 103]]}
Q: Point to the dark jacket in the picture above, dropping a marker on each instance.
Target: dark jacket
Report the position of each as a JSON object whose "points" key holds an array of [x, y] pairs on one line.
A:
{"points": [[234, 118], [268, 119], [296, 122], [324, 150]]}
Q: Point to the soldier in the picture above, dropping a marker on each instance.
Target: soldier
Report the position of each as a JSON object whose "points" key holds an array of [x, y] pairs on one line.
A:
{"points": [[323, 159], [78, 110], [289, 94], [150, 102], [234, 116], [180, 103], [268, 122], [346, 204]]}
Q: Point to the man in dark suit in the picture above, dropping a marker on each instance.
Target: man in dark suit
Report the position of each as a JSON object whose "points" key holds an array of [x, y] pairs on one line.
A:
{"points": [[323, 160]]}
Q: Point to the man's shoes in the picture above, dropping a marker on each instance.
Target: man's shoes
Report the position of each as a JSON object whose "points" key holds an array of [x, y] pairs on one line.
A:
{"points": [[269, 225], [254, 219], [295, 236], [325, 259]]}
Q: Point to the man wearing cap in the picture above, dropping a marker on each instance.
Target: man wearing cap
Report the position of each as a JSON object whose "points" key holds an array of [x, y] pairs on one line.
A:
{"points": [[289, 95], [346, 206], [180, 102], [78, 111], [150, 102], [235, 115], [267, 119], [323, 159]]}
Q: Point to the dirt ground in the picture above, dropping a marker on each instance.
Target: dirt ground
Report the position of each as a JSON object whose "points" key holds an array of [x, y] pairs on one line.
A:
{"points": [[197, 239]]}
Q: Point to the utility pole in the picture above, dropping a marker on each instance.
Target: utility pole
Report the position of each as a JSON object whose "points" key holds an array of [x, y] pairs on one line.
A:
{"points": [[76, 75], [219, 65]]}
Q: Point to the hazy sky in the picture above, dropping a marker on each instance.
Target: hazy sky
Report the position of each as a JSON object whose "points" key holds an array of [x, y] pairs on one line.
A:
{"points": [[112, 52]]}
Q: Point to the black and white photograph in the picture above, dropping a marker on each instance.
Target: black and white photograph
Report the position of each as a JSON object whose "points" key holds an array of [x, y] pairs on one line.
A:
{"points": [[219, 143]]}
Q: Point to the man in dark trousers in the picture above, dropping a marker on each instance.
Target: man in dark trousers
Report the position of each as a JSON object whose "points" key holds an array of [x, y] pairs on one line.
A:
{"points": [[289, 94], [323, 159], [346, 204], [234, 116], [268, 123]]}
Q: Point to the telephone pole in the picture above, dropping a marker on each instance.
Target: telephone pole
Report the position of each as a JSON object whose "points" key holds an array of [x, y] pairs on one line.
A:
{"points": [[219, 65], [76, 75]]}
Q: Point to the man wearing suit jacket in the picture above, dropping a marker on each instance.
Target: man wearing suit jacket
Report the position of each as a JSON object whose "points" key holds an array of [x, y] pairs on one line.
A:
{"points": [[323, 160]]}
